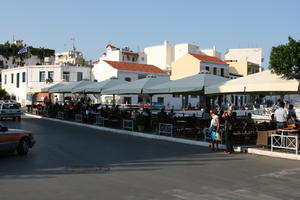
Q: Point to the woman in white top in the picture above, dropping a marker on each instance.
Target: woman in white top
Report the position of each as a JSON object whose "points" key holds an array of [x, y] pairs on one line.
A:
{"points": [[214, 129]]}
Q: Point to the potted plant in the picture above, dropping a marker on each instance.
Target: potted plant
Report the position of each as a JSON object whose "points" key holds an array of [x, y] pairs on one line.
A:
{"points": [[140, 121]]}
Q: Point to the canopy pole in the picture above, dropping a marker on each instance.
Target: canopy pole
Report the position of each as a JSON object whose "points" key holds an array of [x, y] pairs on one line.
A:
{"points": [[150, 100], [282, 96], [114, 100], [63, 98]]}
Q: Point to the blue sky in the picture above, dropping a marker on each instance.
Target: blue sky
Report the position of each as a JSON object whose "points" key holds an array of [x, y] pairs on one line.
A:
{"points": [[139, 23]]}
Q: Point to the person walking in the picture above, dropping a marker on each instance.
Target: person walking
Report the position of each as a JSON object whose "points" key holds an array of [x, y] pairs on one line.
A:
{"points": [[291, 111], [214, 129], [229, 129], [281, 116]]}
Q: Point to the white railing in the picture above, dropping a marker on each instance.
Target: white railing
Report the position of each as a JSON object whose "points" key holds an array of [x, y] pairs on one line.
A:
{"points": [[61, 115], [165, 129], [128, 125], [45, 113], [99, 120], [284, 142]]}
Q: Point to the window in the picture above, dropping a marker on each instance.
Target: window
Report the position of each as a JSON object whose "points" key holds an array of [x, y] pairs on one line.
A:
{"points": [[12, 78], [50, 75], [66, 76], [176, 95], [194, 96], [140, 76], [127, 100], [207, 68], [160, 100], [23, 77], [42, 76], [215, 71], [5, 79], [222, 72], [140, 100], [79, 76], [18, 80], [143, 58], [249, 70], [128, 79]]}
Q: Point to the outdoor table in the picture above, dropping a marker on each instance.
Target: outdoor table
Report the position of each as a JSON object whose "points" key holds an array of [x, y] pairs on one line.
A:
{"points": [[287, 131], [262, 137]]}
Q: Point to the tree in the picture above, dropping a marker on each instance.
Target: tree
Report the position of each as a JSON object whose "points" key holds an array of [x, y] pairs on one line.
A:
{"points": [[2, 93], [285, 59]]}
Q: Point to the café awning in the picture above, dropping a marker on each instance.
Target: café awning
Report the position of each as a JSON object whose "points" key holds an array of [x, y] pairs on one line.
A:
{"points": [[97, 87], [191, 84], [69, 87], [262, 82], [46, 89], [135, 87]]}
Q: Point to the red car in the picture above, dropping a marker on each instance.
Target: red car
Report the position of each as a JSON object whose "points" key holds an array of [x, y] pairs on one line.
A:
{"points": [[15, 140]]}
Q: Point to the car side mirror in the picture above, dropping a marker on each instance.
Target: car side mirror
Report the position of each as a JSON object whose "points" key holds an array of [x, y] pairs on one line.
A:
{"points": [[3, 128]]}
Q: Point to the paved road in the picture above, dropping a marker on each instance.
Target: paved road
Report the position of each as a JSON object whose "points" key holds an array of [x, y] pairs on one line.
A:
{"points": [[72, 162]]}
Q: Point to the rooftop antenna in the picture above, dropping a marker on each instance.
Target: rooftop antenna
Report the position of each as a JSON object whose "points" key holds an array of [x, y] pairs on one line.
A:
{"points": [[73, 44], [13, 38]]}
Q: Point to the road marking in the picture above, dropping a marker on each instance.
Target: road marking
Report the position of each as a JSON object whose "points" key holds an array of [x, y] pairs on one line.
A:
{"points": [[281, 174]]}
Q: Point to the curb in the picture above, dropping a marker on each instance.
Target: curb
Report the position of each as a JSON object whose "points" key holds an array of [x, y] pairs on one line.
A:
{"points": [[273, 154], [131, 133]]}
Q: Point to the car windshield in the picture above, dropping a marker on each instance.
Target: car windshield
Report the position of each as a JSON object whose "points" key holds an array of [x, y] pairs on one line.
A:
{"points": [[10, 106]]}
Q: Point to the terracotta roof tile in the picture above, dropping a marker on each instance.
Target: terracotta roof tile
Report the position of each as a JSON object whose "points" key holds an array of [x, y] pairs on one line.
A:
{"points": [[208, 58], [126, 66], [111, 46]]}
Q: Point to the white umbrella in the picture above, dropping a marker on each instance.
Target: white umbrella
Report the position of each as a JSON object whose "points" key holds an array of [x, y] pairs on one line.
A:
{"points": [[97, 87], [263, 82], [191, 84], [69, 87], [135, 87]]}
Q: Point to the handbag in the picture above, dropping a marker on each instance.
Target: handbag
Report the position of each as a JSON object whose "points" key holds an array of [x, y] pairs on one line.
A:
{"points": [[218, 136]]}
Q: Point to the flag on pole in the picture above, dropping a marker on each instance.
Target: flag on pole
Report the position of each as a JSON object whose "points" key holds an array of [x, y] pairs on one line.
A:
{"points": [[23, 50]]}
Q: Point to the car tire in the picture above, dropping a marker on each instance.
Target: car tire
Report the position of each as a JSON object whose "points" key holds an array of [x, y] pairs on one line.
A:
{"points": [[23, 147]]}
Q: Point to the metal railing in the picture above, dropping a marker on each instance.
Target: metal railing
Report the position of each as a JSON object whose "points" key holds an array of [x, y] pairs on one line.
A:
{"points": [[128, 125], [45, 113], [99, 120], [165, 129], [284, 142], [79, 118], [61, 115]]}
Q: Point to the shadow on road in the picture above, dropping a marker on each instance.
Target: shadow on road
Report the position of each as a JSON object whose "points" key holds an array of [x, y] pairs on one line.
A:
{"points": [[68, 149]]}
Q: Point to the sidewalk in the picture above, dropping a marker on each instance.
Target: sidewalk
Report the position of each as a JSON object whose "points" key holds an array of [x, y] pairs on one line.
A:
{"points": [[132, 133]]}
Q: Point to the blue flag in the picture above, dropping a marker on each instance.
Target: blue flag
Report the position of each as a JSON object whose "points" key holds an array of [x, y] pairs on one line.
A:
{"points": [[23, 50]]}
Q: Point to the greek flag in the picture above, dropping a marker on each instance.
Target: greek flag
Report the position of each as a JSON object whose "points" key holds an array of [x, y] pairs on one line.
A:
{"points": [[23, 50]]}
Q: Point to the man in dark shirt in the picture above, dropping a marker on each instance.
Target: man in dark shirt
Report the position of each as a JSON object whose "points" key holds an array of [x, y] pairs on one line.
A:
{"points": [[229, 128]]}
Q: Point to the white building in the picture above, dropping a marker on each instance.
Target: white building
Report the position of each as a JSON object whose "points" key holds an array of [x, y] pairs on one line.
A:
{"points": [[163, 56], [128, 71], [253, 55], [124, 54], [22, 82]]}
